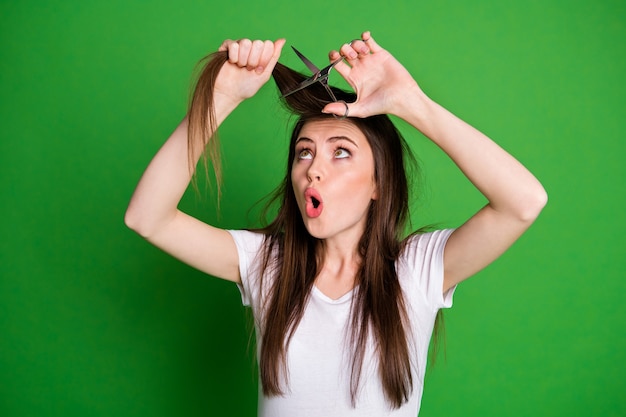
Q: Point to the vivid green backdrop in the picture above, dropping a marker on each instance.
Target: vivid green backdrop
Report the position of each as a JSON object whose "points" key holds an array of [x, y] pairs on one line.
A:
{"points": [[96, 322]]}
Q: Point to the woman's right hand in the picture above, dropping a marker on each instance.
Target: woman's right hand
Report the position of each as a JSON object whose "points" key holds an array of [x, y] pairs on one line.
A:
{"points": [[249, 66]]}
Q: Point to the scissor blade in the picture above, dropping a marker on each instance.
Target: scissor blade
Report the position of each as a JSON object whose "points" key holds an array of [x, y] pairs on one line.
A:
{"points": [[308, 63], [300, 86]]}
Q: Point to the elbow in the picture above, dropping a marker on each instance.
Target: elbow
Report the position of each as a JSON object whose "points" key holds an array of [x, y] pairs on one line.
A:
{"points": [[145, 223], [533, 205], [133, 220]]}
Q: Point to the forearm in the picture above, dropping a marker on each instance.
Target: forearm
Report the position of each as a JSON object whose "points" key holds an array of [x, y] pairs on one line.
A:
{"points": [[505, 182], [232, 75], [162, 185]]}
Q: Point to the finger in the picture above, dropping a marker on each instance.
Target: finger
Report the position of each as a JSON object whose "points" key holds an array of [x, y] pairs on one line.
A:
{"points": [[266, 56], [341, 109], [224, 46], [256, 50], [233, 52], [370, 42], [244, 52], [341, 67], [360, 47], [348, 52], [338, 108], [278, 47]]}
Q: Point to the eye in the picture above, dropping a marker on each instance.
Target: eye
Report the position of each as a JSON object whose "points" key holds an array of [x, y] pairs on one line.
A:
{"points": [[304, 154], [341, 153]]}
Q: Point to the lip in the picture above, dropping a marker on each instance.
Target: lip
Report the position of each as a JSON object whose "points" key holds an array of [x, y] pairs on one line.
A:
{"points": [[314, 204]]}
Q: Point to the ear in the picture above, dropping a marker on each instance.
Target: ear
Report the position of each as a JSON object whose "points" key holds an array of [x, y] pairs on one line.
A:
{"points": [[375, 192]]}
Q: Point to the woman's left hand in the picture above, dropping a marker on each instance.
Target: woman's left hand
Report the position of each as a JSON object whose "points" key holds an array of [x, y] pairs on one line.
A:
{"points": [[382, 84]]}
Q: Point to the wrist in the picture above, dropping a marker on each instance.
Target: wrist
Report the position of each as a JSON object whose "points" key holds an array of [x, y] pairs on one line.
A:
{"points": [[224, 104], [412, 104]]}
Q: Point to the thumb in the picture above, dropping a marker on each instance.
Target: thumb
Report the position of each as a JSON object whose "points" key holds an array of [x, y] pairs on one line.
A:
{"points": [[278, 47], [338, 108], [271, 53]]}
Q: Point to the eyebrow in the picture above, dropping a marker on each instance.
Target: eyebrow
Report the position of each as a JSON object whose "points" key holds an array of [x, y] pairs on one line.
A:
{"points": [[330, 139]]}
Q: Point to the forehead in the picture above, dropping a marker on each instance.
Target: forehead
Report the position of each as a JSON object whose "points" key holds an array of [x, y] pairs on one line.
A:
{"points": [[327, 128]]}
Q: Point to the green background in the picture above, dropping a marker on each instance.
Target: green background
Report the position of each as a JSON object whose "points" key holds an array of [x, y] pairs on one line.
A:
{"points": [[96, 322]]}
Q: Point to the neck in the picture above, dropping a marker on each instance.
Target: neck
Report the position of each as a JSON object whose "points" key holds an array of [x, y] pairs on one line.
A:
{"points": [[340, 262]]}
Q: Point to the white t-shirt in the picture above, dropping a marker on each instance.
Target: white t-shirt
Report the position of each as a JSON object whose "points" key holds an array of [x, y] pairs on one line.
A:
{"points": [[319, 366]]}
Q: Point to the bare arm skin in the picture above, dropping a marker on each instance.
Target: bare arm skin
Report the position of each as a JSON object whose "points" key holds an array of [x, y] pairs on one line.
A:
{"points": [[515, 196], [153, 211]]}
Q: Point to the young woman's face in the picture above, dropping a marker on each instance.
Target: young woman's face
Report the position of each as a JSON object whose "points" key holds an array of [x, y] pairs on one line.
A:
{"points": [[333, 178]]}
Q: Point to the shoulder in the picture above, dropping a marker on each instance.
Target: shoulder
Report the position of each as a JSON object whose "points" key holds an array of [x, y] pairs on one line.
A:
{"points": [[247, 240], [420, 267], [258, 252], [421, 247], [250, 247]]}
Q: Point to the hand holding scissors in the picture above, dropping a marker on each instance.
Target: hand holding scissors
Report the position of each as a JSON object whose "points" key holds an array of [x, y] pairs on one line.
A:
{"points": [[382, 84]]}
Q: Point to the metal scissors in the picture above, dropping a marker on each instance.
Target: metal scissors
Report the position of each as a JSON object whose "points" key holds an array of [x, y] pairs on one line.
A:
{"points": [[319, 75]]}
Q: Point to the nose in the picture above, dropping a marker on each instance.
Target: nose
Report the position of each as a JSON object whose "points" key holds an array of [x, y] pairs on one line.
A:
{"points": [[315, 170]]}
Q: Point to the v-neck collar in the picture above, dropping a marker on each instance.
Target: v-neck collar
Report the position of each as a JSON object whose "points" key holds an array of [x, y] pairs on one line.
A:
{"points": [[344, 298]]}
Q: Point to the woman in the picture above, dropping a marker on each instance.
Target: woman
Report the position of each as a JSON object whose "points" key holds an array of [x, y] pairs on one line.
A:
{"points": [[344, 306]]}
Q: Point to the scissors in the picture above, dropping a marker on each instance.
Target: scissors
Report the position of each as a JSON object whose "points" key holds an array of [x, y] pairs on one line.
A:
{"points": [[319, 75]]}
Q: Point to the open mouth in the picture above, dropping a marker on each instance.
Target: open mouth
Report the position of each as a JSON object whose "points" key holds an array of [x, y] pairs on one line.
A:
{"points": [[314, 205]]}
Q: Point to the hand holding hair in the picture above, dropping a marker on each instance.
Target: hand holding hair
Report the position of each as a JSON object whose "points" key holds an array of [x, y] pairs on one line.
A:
{"points": [[249, 66]]}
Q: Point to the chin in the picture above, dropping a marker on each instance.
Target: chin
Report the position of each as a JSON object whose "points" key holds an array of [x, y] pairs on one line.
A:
{"points": [[315, 232]]}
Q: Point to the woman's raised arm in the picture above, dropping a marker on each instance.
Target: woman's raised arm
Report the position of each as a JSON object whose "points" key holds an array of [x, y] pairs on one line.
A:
{"points": [[153, 211], [515, 196]]}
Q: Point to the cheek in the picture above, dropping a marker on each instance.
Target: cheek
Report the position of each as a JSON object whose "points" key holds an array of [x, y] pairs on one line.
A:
{"points": [[365, 175], [362, 185], [291, 171], [296, 188], [294, 174]]}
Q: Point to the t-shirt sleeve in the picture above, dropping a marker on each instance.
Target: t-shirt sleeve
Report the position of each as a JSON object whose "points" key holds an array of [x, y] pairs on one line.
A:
{"points": [[424, 262], [248, 248]]}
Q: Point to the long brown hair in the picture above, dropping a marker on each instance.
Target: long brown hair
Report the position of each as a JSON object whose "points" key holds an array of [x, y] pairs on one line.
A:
{"points": [[291, 255]]}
